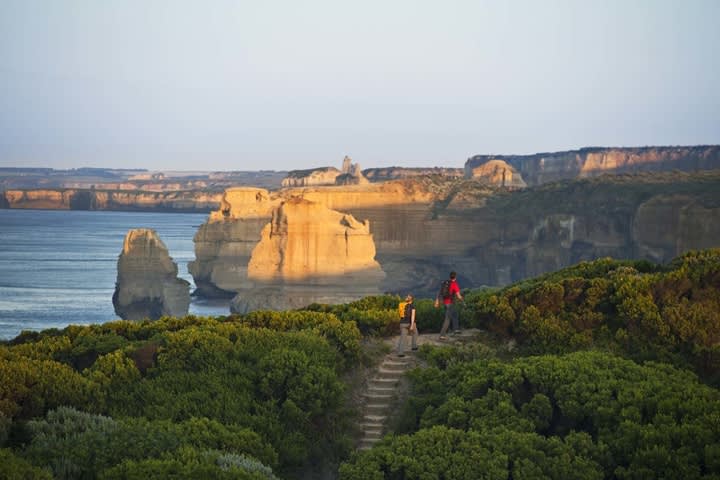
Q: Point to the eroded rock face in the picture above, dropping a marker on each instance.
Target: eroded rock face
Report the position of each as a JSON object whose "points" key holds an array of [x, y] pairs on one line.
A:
{"points": [[351, 174], [91, 199], [422, 231], [224, 243], [308, 253], [147, 285], [394, 173], [498, 173], [311, 177], [542, 168]]}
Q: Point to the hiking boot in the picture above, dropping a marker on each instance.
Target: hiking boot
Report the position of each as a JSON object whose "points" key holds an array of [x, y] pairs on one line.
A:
{"points": [[442, 337]]}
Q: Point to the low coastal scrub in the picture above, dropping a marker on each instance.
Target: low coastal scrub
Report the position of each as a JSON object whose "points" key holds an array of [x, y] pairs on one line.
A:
{"points": [[265, 386], [642, 310], [612, 378], [587, 415]]}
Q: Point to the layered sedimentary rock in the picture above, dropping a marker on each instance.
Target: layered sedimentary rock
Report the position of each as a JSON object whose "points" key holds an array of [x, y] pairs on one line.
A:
{"points": [[308, 253], [542, 168], [424, 228], [147, 283], [499, 173], [92, 199], [311, 177], [395, 173], [224, 243], [349, 174]]}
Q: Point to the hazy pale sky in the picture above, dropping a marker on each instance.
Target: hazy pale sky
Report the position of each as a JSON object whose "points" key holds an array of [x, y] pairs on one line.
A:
{"points": [[263, 84]]}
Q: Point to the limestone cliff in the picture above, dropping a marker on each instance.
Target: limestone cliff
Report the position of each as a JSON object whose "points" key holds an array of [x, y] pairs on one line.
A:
{"points": [[311, 177], [224, 243], [147, 285], [349, 174], [395, 173], [309, 253], [498, 173], [424, 228], [542, 168], [92, 199]]}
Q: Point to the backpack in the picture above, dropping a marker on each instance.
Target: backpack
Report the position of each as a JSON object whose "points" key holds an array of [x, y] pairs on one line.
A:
{"points": [[445, 289], [401, 309]]}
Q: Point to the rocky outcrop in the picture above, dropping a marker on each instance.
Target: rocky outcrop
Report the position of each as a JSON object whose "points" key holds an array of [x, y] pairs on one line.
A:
{"points": [[92, 199], [309, 253], [424, 228], [224, 243], [498, 173], [396, 173], [668, 225], [311, 177], [140, 180], [147, 283], [542, 168], [349, 174]]}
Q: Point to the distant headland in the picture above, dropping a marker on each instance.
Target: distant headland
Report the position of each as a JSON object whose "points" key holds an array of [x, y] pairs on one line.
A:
{"points": [[201, 191]]}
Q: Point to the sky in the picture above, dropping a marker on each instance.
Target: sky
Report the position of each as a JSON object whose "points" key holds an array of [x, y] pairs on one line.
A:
{"points": [[280, 85]]}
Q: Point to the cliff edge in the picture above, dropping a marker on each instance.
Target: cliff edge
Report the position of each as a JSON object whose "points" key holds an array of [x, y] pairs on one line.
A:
{"points": [[309, 253], [540, 168]]}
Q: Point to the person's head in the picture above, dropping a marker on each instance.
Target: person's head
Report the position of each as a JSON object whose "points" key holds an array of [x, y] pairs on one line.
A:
{"points": [[453, 275], [409, 298]]}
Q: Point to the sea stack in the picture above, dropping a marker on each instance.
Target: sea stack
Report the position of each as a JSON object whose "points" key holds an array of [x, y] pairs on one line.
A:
{"points": [[147, 283], [309, 253]]}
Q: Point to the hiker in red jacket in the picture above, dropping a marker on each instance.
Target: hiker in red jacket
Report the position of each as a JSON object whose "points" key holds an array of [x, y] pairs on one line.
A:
{"points": [[449, 291]]}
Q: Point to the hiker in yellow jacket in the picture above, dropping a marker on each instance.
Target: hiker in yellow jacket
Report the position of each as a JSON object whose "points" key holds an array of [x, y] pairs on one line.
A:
{"points": [[407, 325]]}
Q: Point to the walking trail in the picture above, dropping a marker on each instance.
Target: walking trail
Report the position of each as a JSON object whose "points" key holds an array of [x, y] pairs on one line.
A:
{"points": [[384, 390]]}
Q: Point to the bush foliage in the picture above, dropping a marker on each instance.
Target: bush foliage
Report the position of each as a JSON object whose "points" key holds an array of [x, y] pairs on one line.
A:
{"points": [[265, 385], [584, 415], [602, 387], [642, 310]]}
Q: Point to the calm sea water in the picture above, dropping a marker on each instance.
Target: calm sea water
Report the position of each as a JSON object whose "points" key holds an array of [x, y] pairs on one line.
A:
{"points": [[59, 267]]}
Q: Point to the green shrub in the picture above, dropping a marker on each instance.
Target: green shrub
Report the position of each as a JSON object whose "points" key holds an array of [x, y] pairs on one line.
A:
{"points": [[13, 467], [607, 412], [647, 311], [190, 464], [76, 444]]}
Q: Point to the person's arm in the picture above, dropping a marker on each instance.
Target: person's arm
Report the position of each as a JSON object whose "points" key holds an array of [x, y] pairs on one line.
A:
{"points": [[458, 295], [412, 320]]}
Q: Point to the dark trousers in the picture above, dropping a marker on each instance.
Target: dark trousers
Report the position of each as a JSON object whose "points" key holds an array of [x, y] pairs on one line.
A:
{"points": [[451, 313]]}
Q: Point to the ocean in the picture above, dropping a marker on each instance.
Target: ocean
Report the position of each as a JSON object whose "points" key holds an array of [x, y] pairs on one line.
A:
{"points": [[59, 267]]}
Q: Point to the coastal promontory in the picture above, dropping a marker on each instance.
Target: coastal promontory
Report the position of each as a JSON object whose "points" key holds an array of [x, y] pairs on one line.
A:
{"points": [[309, 253]]}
